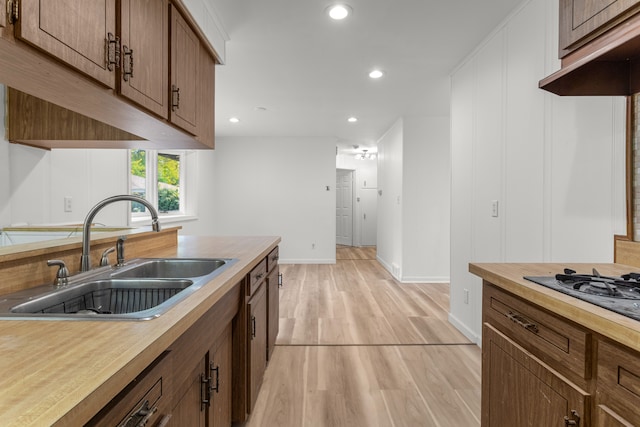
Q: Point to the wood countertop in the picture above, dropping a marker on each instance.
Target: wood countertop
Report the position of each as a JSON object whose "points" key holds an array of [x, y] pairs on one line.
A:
{"points": [[509, 276], [61, 372]]}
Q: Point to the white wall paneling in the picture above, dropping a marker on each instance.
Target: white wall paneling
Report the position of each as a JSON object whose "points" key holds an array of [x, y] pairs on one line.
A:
{"points": [[545, 158]]}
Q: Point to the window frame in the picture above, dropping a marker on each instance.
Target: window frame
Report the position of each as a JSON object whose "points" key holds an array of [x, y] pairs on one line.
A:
{"points": [[151, 186]]}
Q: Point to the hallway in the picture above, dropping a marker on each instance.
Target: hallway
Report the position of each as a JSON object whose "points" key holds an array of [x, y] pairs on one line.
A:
{"points": [[357, 348]]}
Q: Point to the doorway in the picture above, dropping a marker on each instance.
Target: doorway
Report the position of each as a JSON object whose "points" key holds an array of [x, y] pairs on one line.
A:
{"points": [[344, 207]]}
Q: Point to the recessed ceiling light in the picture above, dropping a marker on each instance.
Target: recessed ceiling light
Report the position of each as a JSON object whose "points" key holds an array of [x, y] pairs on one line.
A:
{"points": [[352, 119], [376, 74], [234, 120], [339, 11]]}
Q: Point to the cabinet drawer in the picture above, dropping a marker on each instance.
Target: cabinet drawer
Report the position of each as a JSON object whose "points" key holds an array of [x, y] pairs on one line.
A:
{"points": [[618, 389], [557, 342], [256, 276], [272, 259], [146, 397]]}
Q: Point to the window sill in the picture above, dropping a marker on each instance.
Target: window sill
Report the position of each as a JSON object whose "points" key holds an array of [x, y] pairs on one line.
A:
{"points": [[163, 219]]}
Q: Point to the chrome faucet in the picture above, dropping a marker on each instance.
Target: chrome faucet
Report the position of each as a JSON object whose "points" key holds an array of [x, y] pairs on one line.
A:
{"points": [[85, 259]]}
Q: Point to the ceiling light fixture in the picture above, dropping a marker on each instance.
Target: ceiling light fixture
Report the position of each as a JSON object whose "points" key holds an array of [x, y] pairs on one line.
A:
{"points": [[339, 11], [365, 155], [376, 74], [352, 119], [234, 120]]}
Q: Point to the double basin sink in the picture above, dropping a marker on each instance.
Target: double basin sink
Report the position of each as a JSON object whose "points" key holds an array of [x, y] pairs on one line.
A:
{"points": [[142, 289]]}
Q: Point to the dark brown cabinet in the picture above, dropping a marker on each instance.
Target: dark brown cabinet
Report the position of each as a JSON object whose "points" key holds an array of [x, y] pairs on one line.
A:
{"points": [[145, 401], [257, 343], [185, 61], [273, 315], [618, 386], [150, 53], [74, 31], [144, 47], [517, 387], [582, 20]]}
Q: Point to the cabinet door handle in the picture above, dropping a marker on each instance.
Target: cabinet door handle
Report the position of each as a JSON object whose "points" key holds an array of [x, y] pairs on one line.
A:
{"points": [[127, 63], [522, 321], [280, 280], [215, 387], [113, 52], [253, 327], [175, 98], [205, 395], [164, 421]]}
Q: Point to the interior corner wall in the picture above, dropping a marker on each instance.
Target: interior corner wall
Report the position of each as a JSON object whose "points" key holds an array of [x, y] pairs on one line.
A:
{"points": [[426, 199], [278, 186], [390, 227], [535, 154]]}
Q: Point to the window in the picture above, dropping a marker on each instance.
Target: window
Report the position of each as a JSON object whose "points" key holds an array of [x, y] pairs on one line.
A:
{"points": [[158, 176]]}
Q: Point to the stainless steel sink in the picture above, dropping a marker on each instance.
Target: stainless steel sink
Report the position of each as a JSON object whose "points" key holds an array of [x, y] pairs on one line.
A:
{"points": [[142, 289], [171, 268]]}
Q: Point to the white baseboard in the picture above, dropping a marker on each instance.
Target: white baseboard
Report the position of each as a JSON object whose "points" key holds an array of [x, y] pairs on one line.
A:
{"points": [[307, 261], [471, 335]]}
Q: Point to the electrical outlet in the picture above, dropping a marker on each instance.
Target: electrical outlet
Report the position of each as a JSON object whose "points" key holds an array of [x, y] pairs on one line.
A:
{"points": [[68, 204], [466, 296]]}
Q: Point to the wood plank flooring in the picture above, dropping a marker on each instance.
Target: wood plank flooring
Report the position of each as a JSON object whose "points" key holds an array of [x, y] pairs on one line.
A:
{"points": [[357, 348]]}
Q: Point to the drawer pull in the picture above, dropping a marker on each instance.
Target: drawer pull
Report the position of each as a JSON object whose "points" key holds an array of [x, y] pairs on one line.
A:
{"points": [[141, 416], [522, 321], [259, 276], [574, 420], [253, 327], [164, 421]]}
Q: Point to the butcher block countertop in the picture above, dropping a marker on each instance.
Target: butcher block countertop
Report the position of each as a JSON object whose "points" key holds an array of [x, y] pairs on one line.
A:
{"points": [[62, 372], [509, 277]]}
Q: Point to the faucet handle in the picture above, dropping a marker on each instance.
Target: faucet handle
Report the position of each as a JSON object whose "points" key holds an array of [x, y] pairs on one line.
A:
{"points": [[120, 251], [104, 260], [62, 276]]}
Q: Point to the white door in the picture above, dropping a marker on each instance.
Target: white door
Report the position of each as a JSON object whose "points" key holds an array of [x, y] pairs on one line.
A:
{"points": [[344, 207]]}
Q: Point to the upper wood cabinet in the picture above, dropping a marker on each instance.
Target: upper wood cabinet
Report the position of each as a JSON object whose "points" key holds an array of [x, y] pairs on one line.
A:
{"points": [[157, 62], [74, 31], [582, 18], [185, 53], [599, 44], [144, 46]]}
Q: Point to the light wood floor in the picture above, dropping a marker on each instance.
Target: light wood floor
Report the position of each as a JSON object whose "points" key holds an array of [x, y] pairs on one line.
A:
{"points": [[357, 348]]}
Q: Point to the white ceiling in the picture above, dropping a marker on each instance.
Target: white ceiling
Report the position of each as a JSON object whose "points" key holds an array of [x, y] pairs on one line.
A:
{"points": [[311, 73]]}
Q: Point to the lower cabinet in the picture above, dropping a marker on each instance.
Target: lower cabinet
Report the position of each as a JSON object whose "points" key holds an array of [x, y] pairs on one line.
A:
{"points": [[542, 369], [258, 342], [518, 388], [145, 401], [273, 317]]}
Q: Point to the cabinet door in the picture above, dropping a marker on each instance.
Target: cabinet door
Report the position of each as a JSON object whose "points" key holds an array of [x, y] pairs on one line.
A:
{"points": [[605, 417], [273, 316], [258, 344], [144, 65], [618, 386], [185, 52], [518, 388], [190, 409], [74, 31], [580, 18], [220, 367]]}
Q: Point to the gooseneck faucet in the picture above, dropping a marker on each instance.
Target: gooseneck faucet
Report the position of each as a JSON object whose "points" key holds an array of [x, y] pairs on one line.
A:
{"points": [[85, 259]]}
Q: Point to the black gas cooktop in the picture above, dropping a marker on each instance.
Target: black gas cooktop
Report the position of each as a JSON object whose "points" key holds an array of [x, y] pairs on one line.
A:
{"points": [[619, 294]]}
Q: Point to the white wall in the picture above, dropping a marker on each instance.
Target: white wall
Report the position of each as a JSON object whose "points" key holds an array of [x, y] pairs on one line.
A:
{"points": [[389, 249], [413, 210], [555, 164], [425, 189], [277, 186]]}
